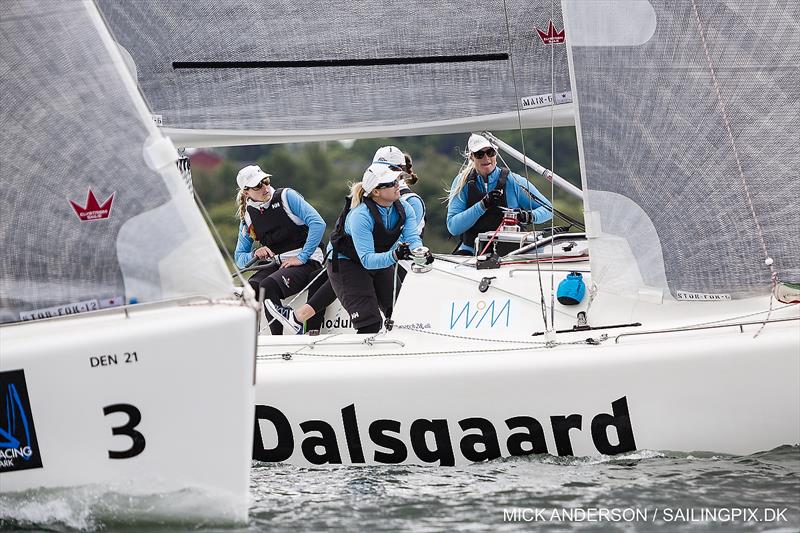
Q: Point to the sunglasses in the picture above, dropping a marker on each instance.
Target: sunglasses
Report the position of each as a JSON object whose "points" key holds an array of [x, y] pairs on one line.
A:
{"points": [[396, 168], [395, 183], [262, 183], [491, 152]]}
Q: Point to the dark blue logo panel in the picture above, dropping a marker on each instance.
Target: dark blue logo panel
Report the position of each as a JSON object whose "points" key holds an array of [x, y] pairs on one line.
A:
{"points": [[19, 449]]}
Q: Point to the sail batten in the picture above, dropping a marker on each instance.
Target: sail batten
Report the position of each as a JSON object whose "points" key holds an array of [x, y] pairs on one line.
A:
{"points": [[341, 62]]}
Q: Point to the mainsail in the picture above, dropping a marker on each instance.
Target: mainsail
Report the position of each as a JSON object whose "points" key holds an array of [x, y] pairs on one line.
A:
{"points": [[256, 72], [688, 114], [93, 211]]}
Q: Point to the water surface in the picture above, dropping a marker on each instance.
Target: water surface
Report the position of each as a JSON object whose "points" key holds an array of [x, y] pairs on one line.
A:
{"points": [[638, 491]]}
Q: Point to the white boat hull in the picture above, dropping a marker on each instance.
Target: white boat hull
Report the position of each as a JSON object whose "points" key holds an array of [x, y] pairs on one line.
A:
{"points": [[470, 384], [152, 401]]}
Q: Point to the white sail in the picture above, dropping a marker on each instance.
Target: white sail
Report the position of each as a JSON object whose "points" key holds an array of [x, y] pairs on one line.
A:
{"points": [[242, 71], [94, 212], [687, 115]]}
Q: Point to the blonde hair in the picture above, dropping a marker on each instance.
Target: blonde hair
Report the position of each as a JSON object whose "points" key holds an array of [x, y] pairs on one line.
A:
{"points": [[463, 174], [356, 194], [241, 204]]}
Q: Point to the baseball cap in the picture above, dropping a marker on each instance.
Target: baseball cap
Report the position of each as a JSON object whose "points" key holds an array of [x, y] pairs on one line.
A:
{"points": [[389, 155], [250, 176], [477, 143], [376, 174]]}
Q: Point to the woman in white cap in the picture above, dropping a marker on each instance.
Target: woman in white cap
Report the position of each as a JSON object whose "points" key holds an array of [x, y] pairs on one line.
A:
{"points": [[289, 230], [375, 230], [321, 293], [481, 189], [396, 159]]}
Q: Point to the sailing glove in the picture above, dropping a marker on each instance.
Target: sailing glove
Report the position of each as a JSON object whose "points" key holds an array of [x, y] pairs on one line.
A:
{"points": [[428, 257], [524, 217], [494, 198], [403, 251]]}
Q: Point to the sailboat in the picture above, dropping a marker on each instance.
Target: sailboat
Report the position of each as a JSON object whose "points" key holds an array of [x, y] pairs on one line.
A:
{"points": [[126, 367], [684, 112]]}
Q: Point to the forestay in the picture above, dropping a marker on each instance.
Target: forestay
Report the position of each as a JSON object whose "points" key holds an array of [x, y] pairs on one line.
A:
{"points": [[244, 71], [93, 211], [688, 116]]}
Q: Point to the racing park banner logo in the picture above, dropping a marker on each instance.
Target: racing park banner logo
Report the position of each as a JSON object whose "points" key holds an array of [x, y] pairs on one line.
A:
{"points": [[19, 449]]}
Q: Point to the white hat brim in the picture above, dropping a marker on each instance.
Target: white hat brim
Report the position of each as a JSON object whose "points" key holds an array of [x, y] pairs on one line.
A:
{"points": [[256, 179]]}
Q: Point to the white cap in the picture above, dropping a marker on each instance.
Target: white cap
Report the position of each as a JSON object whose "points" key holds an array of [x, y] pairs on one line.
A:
{"points": [[250, 176], [476, 143], [376, 174], [389, 155]]}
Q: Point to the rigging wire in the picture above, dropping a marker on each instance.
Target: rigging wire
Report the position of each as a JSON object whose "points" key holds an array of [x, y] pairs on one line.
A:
{"points": [[552, 167], [524, 344], [219, 240], [566, 218], [767, 259], [522, 142]]}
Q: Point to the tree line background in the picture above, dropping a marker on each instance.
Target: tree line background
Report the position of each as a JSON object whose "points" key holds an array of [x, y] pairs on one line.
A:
{"points": [[322, 171]]}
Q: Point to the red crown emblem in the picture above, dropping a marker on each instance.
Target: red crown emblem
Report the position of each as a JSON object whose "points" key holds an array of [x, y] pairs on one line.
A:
{"points": [[93, 210], [551, 36]]}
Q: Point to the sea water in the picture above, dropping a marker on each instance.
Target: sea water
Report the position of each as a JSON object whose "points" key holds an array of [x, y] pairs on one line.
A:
{"points": [[638, 491]]}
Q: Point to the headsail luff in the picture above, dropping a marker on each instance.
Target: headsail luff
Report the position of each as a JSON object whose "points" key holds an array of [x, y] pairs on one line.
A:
{"points": [[83, 217], [317, 70], [688, 111]]}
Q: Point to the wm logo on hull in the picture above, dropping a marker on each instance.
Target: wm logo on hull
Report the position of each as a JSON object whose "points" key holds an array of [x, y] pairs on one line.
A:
{"points": [[480, 314]]}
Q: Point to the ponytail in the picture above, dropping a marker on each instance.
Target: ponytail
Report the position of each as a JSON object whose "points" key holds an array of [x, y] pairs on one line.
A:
{"points": [[409, 179], [409, 176], [241, 204], [356, 194]]}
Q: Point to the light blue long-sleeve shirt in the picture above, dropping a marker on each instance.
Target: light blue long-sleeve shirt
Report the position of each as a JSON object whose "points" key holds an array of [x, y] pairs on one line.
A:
{"points": [[359, 225], [299, 211], [419, 209], [519, 194]]}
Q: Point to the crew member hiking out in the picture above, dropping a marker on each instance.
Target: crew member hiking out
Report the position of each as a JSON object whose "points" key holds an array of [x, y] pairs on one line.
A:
{"points": [[375, 230]]}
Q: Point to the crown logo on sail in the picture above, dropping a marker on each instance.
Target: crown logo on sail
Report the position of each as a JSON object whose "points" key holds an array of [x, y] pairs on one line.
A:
{"points": [[93, 210], [551, 36]]}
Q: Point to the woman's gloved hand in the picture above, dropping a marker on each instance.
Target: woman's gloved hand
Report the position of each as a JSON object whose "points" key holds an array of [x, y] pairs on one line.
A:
{"points": [[524, 217], [403, 251], [493, 198]]}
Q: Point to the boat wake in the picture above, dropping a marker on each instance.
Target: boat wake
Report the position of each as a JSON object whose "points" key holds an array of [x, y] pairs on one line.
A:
{"points": [[95, 508], [287, 497]]}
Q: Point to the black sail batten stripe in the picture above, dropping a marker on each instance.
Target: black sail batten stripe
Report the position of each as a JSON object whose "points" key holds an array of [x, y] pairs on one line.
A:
{"points": [[341, 62]]}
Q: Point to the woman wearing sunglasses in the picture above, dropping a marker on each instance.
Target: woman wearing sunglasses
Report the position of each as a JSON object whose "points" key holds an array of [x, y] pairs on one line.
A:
{"points": [[289, 230], [397, 160], [481, 188], [375, 230], [321, 293]]}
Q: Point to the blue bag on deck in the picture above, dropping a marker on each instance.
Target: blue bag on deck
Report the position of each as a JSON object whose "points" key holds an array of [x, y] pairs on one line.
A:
{"points": [[571, 289]]}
